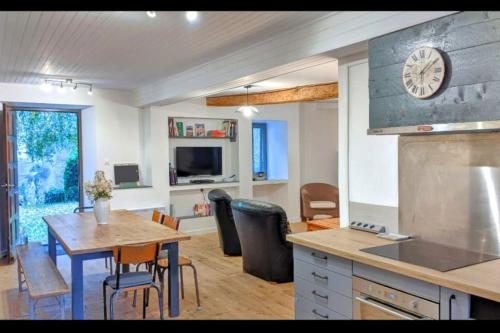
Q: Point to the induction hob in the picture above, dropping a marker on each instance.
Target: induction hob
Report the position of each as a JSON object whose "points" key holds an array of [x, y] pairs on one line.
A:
{"points": [[431, 255]]}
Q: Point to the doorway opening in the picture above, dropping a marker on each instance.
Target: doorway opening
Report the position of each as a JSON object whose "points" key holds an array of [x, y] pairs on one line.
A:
{"points": [[48, 168]]}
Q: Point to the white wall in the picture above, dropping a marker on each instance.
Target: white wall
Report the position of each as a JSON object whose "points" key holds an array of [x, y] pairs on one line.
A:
{"points": [[110, 131], [368, 163], [319, 143], [288, 196]]}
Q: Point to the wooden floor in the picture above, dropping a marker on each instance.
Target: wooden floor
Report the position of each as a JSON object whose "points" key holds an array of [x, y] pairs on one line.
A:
{"points": [[226, 292]]}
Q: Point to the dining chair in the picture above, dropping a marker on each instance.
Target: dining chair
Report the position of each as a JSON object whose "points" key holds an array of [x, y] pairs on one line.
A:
{"points": [[82, 209], [128, 281], [174, 223]]}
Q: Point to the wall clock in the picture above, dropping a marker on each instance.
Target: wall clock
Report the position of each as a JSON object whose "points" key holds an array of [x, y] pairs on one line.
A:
{"points": [[423, 72]]}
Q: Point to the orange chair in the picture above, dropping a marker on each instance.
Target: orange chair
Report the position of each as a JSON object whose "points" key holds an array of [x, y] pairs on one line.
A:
{"points": [[173, 223], [128, 281], [319, 200]]}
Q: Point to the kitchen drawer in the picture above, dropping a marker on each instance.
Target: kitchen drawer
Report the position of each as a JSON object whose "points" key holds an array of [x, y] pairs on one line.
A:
{"points": [[324, 260], [396, 281], [305, 309], [324, 297], [322, 277]]}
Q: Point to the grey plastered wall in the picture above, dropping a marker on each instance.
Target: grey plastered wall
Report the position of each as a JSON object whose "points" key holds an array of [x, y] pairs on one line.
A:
{"points": [[470, 45]]}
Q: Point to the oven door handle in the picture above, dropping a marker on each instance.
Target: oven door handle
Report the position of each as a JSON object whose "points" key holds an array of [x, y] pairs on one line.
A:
{"points": [[387, 309]]}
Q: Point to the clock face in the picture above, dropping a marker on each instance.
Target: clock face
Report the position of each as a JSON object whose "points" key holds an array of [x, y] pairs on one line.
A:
{"points": [[423, 72]]}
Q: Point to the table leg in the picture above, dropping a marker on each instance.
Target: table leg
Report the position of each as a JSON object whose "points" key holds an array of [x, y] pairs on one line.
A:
{"points": [[77, 287], [52, 247], [173, 279]]}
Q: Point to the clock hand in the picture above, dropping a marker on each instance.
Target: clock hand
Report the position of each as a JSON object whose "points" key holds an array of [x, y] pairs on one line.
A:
{"points": [[426, 67]]}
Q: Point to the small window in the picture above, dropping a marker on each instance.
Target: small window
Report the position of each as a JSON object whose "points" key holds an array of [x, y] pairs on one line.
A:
{"points": [[259, 147]]}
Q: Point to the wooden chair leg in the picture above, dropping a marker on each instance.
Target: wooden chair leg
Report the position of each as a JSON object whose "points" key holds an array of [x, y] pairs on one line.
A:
{"points": [[195, 274], [182, 282]]}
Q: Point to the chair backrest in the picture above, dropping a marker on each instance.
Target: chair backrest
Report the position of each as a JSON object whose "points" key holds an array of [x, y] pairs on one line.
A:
{"points": [[82, 209], [134, 254], [157, 216], [318, 192], [171, 222]]}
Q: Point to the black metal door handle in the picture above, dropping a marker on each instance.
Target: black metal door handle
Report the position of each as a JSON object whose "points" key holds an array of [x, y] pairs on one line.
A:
{"points": [[315, 293], [316, 275], [319, 314], [450, 301], [318, 256]]}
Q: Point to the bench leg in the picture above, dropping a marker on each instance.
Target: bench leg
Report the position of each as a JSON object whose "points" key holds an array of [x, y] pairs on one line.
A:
{"points": [[32, 305], [62, 305], [19, 276]]}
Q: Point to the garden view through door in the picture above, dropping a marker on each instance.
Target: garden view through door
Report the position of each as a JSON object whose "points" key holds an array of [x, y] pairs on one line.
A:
{"points": [[48, 158]]}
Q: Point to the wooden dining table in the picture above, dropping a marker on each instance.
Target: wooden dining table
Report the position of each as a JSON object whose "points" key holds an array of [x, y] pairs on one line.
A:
{"points": [[83, 239]]}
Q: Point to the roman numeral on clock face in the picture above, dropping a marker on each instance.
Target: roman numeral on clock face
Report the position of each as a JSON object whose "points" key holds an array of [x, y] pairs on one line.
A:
{"points": [[422, 53], [422, 91], [435, 78], [407, 75], [437, 70], [414, 57], [414, 89], [430, 87], [409, 83]]}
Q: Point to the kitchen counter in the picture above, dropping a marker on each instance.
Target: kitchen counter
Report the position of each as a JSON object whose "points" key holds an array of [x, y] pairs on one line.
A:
{"points": [[482, 279]]}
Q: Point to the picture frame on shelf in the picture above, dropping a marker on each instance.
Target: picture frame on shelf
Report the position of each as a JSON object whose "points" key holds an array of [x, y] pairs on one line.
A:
{"points": [[199, 129]]}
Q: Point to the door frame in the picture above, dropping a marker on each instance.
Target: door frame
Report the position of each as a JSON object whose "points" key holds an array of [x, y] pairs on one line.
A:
{"points": [[15, 107]]}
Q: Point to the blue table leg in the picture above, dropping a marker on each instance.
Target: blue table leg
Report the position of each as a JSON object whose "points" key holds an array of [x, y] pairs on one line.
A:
{"points": [[52, 247], [173, 279], [77, 287]]}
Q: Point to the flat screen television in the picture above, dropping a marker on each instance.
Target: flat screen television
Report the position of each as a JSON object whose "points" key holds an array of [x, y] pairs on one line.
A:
{"points": [[198, 161]]}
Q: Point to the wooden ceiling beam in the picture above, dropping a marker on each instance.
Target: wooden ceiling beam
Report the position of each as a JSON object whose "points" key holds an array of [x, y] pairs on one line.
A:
{"points": [[307, 93]]}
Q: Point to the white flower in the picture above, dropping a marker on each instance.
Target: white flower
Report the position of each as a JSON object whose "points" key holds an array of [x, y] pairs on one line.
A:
{"points": [[100, 188]]}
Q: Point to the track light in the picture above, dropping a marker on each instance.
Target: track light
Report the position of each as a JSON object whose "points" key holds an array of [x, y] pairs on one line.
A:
{"points": [[63, 85], [191, 16], [151, 14], [61, 89]]}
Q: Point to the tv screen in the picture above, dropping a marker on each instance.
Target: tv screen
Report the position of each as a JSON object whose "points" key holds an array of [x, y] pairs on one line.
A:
{"points": [[198, 161], [126, 173]]}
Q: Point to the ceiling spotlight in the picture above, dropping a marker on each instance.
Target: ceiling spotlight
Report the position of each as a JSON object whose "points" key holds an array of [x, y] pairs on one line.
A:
{"points": [[90, 91], [247, 110], [191, 16], [151, 14], [45, 86], [61, 89]]}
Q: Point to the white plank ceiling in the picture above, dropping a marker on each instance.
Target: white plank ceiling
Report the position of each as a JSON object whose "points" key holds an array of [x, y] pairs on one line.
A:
{"points": [[124, 50]]}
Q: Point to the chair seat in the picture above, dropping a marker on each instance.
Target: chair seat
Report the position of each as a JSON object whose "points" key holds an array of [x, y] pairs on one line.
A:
{"points": [[183, 261], [130, 279], [322, 204], [321, 217]]}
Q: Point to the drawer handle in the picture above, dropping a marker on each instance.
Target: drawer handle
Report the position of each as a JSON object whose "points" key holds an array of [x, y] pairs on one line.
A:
{"points": [[316, 275], [319, 314], [315, 293], [315, 255]]}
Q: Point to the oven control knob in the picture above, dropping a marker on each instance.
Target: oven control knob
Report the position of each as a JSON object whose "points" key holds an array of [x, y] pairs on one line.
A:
{"points": [[414, 305]]}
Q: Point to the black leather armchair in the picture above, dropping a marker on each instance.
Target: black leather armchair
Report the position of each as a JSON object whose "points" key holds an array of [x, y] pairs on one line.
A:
{"points": [[262, 228], [228, 236]]}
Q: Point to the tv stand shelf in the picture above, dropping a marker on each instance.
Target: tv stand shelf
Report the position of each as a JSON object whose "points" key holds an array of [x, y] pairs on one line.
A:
{"points": [[189, 186]]}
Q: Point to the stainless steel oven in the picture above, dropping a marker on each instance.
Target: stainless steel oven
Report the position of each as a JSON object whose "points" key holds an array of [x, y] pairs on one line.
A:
{"points": [[375, 301]]}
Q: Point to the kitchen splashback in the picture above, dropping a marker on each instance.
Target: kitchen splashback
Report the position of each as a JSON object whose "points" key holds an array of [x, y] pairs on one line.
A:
{"points": [[468, 99], [449, 189]]}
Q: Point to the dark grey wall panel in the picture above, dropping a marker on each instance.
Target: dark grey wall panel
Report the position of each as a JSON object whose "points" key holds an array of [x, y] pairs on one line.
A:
{"points": [[470, 42]]}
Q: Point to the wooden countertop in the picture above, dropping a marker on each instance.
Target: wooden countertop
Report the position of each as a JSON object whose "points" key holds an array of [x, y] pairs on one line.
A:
{"points": [[481, 279]]}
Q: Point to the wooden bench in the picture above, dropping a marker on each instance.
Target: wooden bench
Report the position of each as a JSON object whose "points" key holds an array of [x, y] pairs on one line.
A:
{"points": [[38, 272]]}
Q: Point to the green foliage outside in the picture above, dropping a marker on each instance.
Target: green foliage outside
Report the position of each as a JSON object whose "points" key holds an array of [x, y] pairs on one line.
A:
{"points": [[71, 178]]}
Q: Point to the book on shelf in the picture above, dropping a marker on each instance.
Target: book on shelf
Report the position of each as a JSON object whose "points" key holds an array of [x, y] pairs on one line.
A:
{"points": [[171, 131], [199, 129], [180, 128], [189, 130]]}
